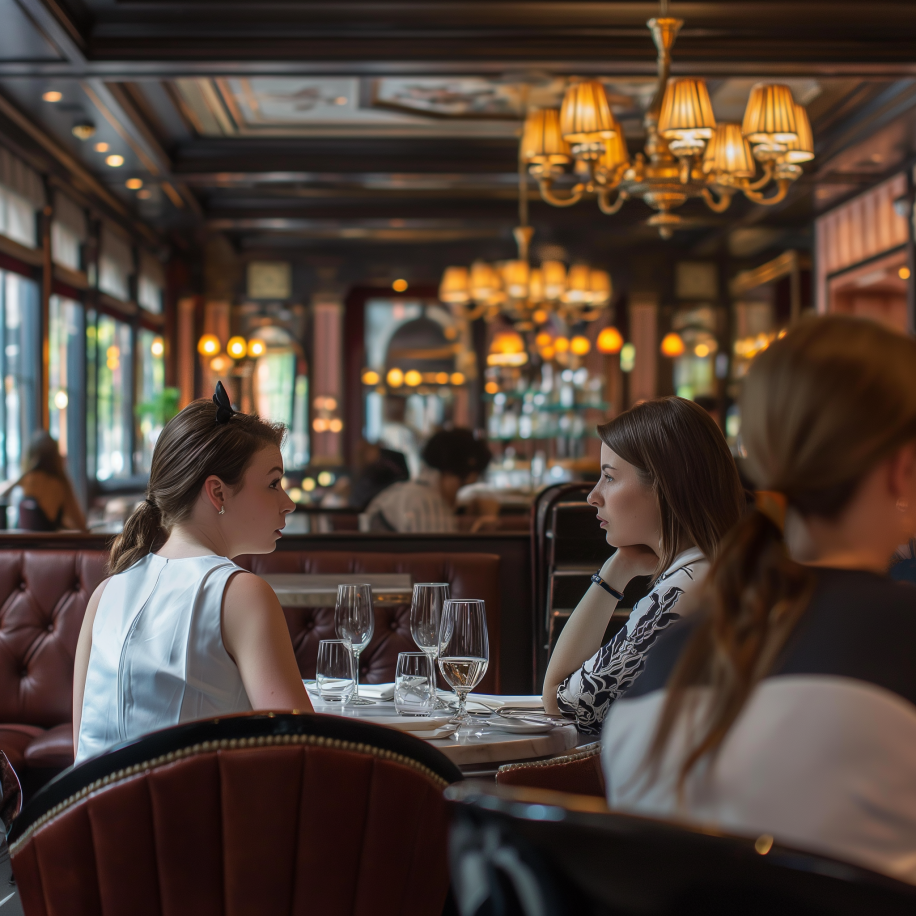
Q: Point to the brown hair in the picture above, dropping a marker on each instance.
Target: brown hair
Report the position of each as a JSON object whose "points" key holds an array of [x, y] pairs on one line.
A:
{"points": [[680, 452], [819, 409], [44, 455], [191, 448]]}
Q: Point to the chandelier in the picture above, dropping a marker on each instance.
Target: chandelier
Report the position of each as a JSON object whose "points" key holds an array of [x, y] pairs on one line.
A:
{"points": [[687, 153], [523, 294]]}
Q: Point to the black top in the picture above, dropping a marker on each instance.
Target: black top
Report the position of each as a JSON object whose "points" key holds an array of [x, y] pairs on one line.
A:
{"points": [[857, 624]]}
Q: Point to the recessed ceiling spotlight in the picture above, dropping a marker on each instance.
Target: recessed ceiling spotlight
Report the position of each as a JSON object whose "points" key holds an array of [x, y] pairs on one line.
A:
{"points": [[101, 147], [52, 95], [83, 130], [134, 184], [114, 160], [145, 194]]}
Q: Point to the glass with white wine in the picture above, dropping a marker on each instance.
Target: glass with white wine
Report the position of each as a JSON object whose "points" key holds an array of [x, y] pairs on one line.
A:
{"points": [[464, 649]]}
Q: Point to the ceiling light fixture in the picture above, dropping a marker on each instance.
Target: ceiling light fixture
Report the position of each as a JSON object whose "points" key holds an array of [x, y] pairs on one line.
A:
{"points": [[133, 184], [52, 95], [101, 147], [114, 160], [688, 154], [83, 130]]}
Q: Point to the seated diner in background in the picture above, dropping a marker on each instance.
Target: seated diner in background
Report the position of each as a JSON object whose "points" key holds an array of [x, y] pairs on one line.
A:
{"points": [[48, 501], [452, 459], [178, 631], [668, 492], [786, 706]]}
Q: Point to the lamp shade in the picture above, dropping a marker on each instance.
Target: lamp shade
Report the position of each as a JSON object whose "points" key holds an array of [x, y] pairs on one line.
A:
{"points": [[507, 349], [578, 285], [516, 279], [686, 111], [554, 273], [770, 114], [802, 149], [610, 340], [453, 288], [542, 140], [673, 345], [484, 282], [729, 153], [615, 151], [586, 115]]}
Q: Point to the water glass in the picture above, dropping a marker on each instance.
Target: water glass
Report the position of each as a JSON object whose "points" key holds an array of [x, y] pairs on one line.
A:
{"points": [[414, 684], [355, 623], [335, 672], [464, 648], [425, 616]]}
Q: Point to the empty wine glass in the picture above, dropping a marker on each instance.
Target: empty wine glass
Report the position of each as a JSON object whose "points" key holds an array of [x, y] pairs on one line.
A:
{"points": [[355, 622], [464, 649], [425, 616]]}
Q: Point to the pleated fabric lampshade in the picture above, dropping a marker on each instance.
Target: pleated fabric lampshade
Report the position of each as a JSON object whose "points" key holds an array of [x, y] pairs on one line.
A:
{"points": [[615, 151], [542, 139], [729, 153], [586, 116], [770, 114], [686, 111], [454, 287], [802, 149]]}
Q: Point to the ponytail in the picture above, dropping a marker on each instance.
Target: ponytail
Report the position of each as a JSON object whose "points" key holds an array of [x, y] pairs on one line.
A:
{"points": [[142, 533], [757, 594]]}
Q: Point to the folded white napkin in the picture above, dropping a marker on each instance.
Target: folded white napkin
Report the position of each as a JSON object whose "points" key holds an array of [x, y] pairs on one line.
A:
{"points": [[409, 723], [369, 691], [497, 701]]}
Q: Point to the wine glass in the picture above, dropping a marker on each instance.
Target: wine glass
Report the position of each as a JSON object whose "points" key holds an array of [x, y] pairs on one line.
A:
{"points": [[355, 622], [425, 616], [464, 649]]}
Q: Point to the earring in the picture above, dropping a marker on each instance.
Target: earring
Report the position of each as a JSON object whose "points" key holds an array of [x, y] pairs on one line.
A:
{"points": [[902, 505], [222, 510]]}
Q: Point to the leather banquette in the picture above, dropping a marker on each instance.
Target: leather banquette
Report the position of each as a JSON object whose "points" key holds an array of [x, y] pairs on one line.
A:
{"points": [[43, 597]]}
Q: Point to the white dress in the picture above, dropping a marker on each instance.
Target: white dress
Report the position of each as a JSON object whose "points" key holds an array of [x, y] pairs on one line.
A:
{"points": [[157, 656]]}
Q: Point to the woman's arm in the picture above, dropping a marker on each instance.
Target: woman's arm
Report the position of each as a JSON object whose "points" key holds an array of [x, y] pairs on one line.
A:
{"points": [[582, 635], [81, 660], [256, 636]]}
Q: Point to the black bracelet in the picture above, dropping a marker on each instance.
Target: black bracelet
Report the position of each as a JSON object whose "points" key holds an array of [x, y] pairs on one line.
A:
{"points": [[596, 578]]}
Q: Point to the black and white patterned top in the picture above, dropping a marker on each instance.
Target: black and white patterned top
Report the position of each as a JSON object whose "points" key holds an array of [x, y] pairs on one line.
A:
{"points": [[587, 694]]}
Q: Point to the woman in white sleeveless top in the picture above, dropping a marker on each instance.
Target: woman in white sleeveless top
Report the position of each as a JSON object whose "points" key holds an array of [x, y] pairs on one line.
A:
{"points": [[179, 632]]}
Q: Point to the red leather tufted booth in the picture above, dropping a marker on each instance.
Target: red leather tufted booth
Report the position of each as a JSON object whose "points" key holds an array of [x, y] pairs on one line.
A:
{"points": [[245, 814], [43, 597]]}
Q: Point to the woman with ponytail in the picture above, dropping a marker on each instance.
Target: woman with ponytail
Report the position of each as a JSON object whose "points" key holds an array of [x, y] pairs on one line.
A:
{"points": [[787, 705], [178, 631]]}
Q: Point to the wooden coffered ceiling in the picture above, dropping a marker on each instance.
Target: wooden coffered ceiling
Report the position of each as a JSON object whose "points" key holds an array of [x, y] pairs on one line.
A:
{"points": [[366, 125]]}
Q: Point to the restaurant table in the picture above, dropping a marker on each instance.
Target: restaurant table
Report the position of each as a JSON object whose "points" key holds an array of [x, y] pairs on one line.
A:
{"points": [[320, 590], [478, 750]]}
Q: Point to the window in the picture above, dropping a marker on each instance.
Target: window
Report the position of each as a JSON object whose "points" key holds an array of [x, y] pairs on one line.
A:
{"points": [[20, 349], [22, 193], [110, 340], [150, 283], [66, 357], [151, 396], [68, 233], [116, 265]]}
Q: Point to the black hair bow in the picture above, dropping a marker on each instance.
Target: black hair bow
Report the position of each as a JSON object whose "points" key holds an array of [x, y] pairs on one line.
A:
{"points": [[224, 409]]}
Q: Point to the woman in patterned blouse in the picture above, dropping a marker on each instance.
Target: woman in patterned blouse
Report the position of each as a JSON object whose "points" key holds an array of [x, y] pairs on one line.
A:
{"points": [[668, 492]]}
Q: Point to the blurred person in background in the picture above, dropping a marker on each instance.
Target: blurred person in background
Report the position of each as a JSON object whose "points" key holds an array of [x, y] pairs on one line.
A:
{"points": [[452, 459], [381, 467], [48, 502]]}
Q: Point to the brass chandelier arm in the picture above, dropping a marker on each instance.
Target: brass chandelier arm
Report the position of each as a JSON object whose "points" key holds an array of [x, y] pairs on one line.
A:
{"points": [[604, 204], [769, 201], [764, 179], [720, 205], [549, 197]]}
